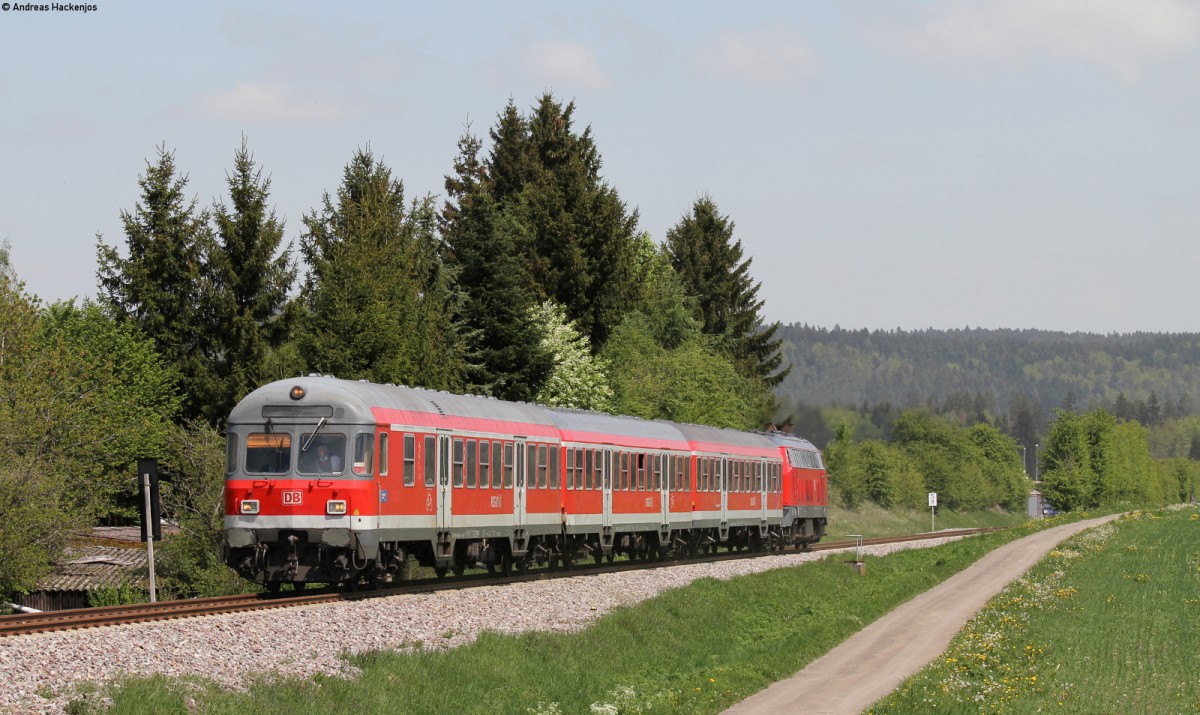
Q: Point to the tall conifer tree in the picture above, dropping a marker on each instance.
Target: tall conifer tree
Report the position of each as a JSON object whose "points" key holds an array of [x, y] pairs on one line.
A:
{"points": [[249, 313], [577, 237], [161, 287], [709, 259], [507, 361], [379, 302]]}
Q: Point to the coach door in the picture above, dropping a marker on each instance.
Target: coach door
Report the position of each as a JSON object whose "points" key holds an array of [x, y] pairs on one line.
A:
{"points": [[443, 483], [664, 489], [519, 486], [763, 478], [606, 520], [723, 480]]}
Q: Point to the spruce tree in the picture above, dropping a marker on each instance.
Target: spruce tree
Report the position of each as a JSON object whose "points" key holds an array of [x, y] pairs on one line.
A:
{"points": [[709, 259], [379, 302], [577, 237], [249, 314], [161, 287], [506, 358]]}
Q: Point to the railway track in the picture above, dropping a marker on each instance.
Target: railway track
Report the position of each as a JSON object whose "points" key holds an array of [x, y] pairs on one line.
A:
{"points": [[25, 624]]}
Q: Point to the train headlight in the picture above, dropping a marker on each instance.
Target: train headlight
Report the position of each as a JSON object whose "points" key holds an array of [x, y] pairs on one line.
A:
{"points": [[335, 507], [249, 506]]}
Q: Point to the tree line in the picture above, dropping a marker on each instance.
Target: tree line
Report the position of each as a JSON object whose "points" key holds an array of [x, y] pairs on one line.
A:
{"points": [[994, 369], [529, 280], [1086, 460]]}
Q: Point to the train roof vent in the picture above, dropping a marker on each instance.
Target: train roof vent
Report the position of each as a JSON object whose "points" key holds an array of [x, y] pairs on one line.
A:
{"points": [[438, 407]]}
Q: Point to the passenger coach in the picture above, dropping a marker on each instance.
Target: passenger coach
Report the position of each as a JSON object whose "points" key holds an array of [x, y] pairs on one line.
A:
{"points": [[336, 481]]}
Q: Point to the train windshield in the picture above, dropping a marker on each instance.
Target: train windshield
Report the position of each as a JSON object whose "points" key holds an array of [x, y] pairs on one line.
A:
{"points": [[326, 453], [269, 453]]}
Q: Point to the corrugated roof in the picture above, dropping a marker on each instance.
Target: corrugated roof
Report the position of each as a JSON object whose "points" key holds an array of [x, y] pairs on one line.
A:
{"points": [[89, 566]]}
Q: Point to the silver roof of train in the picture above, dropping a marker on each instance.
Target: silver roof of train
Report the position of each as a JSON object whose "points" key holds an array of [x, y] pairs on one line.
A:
{"points": [[355, 399]]}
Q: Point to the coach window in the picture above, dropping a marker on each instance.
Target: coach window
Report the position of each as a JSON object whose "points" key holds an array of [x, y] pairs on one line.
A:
{"points": [[410, 459], [383, 457], [458, 461], [554, 476], [588, 455], [471, 463], [541, 467], [531, 466], [485, 467], [570, 467], [497, 464], [430, 460], [508, 465]]}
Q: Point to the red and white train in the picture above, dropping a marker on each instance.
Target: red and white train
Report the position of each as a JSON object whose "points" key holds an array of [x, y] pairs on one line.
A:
{"points": [[337, 481]]}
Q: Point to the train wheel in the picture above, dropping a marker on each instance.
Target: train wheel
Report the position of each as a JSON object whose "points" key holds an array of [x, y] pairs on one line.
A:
{"points": [[273, 586], [299, 585], [440, 571]]}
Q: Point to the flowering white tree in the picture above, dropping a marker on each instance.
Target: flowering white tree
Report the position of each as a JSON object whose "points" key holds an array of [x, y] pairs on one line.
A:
{"points": [[577, 379]]}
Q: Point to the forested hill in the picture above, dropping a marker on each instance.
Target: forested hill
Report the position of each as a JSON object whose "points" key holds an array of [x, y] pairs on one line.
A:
{"points": [[991, 369]]}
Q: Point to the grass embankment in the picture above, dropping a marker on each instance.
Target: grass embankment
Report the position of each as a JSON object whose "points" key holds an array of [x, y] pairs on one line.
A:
{"points": [[872, 520], [1108, 623], [693, 650]]}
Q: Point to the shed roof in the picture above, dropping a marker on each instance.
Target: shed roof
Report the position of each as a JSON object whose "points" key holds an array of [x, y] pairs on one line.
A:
{"points": [[89, 566]]}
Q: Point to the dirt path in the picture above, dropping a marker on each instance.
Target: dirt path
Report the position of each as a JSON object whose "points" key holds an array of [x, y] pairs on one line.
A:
{"points": [[868, 666]]}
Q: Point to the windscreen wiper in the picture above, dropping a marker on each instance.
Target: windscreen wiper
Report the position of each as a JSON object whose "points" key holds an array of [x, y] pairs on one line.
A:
{"points": [[308, 443]]}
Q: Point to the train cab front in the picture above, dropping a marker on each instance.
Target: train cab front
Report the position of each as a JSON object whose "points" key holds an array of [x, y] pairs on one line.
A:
{"points": [[298, 494]]}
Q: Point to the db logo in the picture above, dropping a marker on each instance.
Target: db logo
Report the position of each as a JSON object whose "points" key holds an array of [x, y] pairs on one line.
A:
{"points": [[293, 497]]}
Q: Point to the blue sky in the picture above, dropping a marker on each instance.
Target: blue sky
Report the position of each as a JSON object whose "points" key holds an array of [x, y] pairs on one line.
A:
{"points": [[998, 164]]}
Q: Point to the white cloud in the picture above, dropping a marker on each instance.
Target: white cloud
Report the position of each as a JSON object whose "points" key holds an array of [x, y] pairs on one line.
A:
{"points": [[1120, 35], [266, 102], [568, 64], [766, 56]]}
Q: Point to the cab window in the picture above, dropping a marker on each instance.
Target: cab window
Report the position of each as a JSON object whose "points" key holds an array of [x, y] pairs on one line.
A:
{"points": [[364, 453], [326, 453], [268, 453]]}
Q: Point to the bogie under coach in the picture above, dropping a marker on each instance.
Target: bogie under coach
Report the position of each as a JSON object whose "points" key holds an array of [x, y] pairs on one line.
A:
{"points": [[337, 481]]}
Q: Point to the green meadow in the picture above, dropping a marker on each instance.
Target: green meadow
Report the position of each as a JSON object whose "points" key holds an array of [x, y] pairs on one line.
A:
{"points": [[1108, 623], [702, 648]]}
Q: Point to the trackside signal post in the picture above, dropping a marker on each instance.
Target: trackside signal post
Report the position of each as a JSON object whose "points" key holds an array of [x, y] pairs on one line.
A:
{"points": [[932, 510], [151, 524]]}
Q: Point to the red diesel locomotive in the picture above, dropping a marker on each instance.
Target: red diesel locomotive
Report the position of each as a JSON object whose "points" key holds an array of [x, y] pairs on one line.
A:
{"points": [[337, 481]]}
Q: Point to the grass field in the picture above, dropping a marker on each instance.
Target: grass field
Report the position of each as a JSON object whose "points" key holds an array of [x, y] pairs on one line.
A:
{"points": [[693, 650], [1108, 623], [872, 520]]}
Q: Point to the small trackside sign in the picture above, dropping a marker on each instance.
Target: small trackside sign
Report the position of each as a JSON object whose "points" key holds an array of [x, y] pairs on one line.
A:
{"points": [[932, 498], [292, 497]]}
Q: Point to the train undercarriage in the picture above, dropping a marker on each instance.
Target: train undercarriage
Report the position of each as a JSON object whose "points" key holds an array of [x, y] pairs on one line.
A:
{"points": [[300, 557]]}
